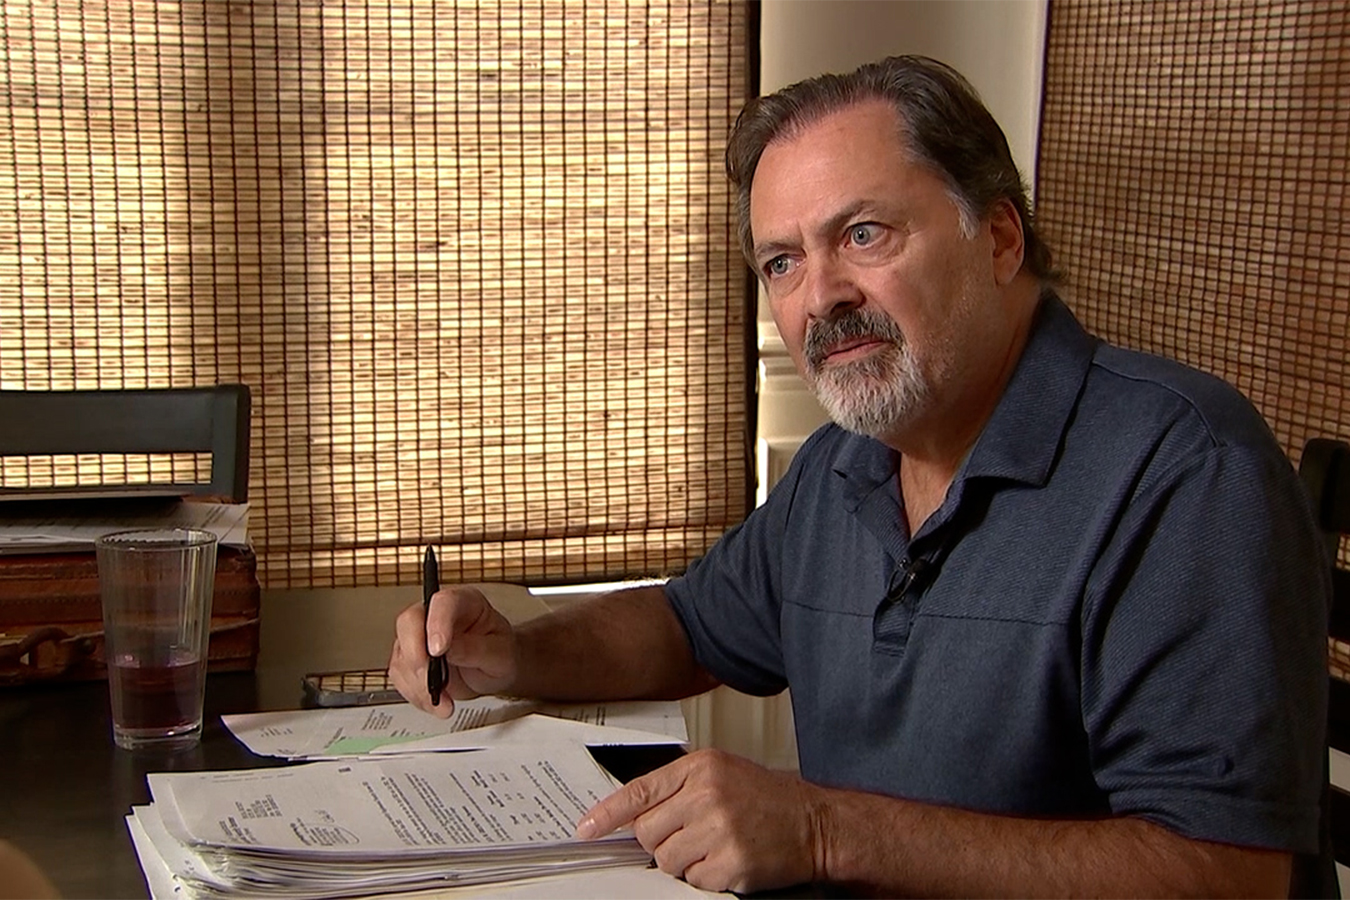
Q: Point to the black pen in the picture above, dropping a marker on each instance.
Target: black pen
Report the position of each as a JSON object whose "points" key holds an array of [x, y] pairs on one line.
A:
{"points": [[436, 668]]}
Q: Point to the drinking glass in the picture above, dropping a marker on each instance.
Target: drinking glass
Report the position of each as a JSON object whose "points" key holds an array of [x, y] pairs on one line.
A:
{"points": [[156, 587]]}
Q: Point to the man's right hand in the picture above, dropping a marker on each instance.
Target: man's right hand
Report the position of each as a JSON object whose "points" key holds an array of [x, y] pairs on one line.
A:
{"points": [[477, 641]]}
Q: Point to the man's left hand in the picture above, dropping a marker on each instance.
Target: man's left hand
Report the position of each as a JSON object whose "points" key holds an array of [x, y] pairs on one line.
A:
{"points": [[720, 821]]}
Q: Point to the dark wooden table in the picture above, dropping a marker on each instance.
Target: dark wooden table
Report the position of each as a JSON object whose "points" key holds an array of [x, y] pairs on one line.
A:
{"points": [[66, 788]]}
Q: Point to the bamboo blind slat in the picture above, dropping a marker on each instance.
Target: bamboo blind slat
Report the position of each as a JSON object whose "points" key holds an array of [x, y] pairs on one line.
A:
{"points": [[477, 261], [1193, 172]]}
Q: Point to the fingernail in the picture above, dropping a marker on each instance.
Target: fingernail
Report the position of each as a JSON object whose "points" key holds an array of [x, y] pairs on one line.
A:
{"points": [[435, 643], [586, 828]]}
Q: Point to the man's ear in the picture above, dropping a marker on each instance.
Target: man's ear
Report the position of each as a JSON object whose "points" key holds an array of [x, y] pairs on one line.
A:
{"points": [[1005, 227]]}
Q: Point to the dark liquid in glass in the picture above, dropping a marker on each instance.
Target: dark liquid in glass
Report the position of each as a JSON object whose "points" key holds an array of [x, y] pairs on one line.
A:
{"points": [[156, 697]]}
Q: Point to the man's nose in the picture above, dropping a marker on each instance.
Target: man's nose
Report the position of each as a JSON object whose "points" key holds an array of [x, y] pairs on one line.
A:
{"points": [[831, 288]]}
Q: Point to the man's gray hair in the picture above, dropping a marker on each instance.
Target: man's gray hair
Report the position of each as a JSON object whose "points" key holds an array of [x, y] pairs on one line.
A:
{"points": [[944, 125]]}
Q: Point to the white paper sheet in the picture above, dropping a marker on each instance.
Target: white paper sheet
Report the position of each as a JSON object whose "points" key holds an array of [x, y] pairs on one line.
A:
{"points": [[623, 883], [154, 842], [632, 882], [476, 724], [366, 826], [159, 878], [415, 804], [53, 531]]}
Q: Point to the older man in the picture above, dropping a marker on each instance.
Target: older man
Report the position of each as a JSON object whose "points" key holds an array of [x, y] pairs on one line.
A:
{"points": [[1052, 613]]}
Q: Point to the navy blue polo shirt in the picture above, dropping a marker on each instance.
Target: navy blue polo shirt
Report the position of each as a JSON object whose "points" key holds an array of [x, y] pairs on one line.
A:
{"points": [[1119, 609]]}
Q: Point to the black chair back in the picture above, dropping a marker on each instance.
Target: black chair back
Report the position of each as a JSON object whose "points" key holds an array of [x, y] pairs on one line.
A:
{"points": [[211, 420], [1325, 471]]}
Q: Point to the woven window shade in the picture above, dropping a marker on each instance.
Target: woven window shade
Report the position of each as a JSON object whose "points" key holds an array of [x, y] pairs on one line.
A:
{"points": [[477, 262], [1192, 178]]}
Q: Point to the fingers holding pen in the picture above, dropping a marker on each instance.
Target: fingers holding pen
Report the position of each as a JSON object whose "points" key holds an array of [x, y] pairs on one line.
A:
{"points": [[409, 661], [453, 612], [477, 641]]}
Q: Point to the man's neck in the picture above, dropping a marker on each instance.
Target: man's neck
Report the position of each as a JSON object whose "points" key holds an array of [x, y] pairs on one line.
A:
{"points": [[933, 448]]}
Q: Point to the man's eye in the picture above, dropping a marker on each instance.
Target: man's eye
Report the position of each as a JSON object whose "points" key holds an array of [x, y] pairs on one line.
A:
{"points": [[779, 265], [864, 234]]}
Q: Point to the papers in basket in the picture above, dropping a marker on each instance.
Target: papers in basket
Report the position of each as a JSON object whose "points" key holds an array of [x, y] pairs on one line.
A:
{"points": [[366, 826], [484, 722]]}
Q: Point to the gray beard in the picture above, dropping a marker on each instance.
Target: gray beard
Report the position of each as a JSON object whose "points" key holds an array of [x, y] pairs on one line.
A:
{"points": [[872, 396]]}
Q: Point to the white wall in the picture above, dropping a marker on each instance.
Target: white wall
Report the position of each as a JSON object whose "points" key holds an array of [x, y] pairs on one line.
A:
{"points": [[999, 46]]}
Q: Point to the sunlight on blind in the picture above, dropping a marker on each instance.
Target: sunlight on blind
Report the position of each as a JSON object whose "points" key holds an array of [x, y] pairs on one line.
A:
{"points": [[1193, 175], [476, 261]]}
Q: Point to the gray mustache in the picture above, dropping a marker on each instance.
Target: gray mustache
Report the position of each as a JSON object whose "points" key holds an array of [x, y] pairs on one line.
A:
{"points": [[822, 334]]}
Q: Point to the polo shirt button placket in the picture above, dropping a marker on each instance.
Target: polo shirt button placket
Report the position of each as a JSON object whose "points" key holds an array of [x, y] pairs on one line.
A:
{"points": [[895, 615]]}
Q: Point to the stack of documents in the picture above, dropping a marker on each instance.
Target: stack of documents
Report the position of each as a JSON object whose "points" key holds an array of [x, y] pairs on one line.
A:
{"points": [[373, 810], [367, 825]]}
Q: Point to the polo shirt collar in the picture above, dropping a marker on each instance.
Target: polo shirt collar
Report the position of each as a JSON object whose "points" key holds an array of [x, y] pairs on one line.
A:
{"points": [[1021, 438], [1023, 435]]}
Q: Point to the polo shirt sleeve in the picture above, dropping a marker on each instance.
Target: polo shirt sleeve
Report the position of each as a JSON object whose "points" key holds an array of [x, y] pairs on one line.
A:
{"points": [[1203, 661], [729, 601]]}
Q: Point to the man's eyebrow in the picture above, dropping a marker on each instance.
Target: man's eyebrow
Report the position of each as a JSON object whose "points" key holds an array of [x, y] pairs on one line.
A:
{"points": [[831, 226], [769, 249], [835, 223]]}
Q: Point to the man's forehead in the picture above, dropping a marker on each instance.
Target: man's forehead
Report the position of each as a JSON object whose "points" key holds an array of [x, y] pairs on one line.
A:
{"points": [[863, 136], [852, 160]]}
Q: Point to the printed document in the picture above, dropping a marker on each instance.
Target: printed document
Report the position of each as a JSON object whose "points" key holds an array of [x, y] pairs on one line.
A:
{"points": [[637, 881], [483, 722], [348, 827]]}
